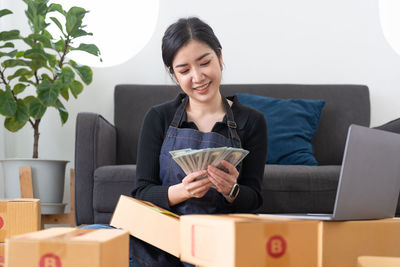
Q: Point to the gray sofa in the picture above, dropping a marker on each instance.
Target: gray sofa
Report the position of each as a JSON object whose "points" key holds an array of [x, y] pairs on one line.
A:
{"points": [[105, 154]]}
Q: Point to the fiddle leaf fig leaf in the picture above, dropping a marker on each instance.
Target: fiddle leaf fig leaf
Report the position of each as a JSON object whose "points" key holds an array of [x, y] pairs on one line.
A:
{"points": [[84, 72], [12, 124], [9, 35], [62, 111], [47, 92], [74, 19], [5, 12], [22, 112], [56, 7], [8, 54], [67, 75], [7, 103], [7, 45], [10, 63], [19, 88], [23, 72], [59, 25], [76, 88], [89, 48], [36, 108]]}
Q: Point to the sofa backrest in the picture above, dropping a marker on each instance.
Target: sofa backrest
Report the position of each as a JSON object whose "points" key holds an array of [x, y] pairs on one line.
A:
{"points": [[345, 104]]}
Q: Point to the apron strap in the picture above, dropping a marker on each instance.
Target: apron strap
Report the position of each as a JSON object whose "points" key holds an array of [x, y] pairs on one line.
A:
{"points": [[233, 135], [179, 113]]}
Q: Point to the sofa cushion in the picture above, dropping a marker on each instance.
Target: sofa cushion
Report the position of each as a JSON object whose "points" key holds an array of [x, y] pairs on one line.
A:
{"points": [[291, 123], [109, 183], [299, 189]]}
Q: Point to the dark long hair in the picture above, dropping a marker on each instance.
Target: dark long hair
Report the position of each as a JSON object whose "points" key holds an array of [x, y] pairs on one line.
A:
{"points": [[181, 32]]}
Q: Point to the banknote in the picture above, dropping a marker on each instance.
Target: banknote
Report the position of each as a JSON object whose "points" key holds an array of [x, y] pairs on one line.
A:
{"points": [[191, 160]]}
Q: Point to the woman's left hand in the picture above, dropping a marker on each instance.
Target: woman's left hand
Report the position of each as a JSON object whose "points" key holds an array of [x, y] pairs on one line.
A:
{"points": [[223, 181]]}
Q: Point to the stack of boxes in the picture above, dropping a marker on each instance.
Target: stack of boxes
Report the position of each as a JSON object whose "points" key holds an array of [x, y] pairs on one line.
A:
{"points": [[22, 244], [243, 240], [17, 216]]}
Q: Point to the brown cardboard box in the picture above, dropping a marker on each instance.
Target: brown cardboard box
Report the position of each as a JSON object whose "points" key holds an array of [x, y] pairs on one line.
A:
{"points": [[370, 261], [18, 216], [69, 247], [2, 248], [235, 241], [149, 223]]}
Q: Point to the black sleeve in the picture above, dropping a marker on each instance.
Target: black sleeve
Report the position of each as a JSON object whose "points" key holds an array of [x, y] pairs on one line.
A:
{"points": [[148, 182], [255, 140]]}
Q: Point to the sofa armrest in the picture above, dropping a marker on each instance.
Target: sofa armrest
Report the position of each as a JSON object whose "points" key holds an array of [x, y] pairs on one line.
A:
{"points": [[391, 126], [95, 146]]}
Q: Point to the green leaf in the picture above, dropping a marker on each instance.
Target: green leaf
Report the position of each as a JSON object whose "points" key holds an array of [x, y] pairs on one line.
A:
{"points": [[58, 23], [25, 80], [47, 92], [21, 73], [65, 93], [4, 12], [89, 48], [74, 19], [36, 108], [10, 63], [80, 33], [9, 54], [62, 111], [41, 38], [20, 54], [7, 45], [67, 75], [22, 113], [76, 88], [56, 7], [9, 35], [19, 88], [12, 124], [7, 103], [84, 72], [52, 59], [59, 45]]}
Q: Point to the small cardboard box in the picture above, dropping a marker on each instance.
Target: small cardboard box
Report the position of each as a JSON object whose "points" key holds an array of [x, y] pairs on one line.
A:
{"points": [[19, 216], [371, 261], [2, 248], [236, 241], [233, 241], [69, 247], [149, 223]]}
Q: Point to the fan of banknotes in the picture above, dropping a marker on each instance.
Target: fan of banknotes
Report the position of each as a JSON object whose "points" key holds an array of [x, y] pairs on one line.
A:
{"points": [[191, 160]]}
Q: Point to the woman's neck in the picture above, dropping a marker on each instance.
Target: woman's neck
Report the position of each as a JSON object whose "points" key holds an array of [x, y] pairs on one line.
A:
{"points": [[200, 108]]}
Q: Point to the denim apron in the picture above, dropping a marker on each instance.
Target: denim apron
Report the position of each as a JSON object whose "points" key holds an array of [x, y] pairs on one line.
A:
{"points": [[171, 174]]}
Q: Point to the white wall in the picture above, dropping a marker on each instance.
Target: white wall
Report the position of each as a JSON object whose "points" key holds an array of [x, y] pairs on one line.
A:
{"points": [[286, 41]]}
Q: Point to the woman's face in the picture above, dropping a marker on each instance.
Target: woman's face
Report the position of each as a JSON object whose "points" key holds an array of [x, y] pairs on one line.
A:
{"points": [[198, 71]]}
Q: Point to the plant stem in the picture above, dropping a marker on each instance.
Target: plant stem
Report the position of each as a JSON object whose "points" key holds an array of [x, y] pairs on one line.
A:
{"points": [[36, 139], [2, 77]]}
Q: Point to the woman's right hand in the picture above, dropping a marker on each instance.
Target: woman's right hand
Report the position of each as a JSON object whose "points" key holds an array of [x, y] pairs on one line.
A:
{"points": [[196, 187], [189, 187]]}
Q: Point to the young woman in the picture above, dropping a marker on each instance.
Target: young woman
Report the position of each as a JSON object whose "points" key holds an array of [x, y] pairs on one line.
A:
{"points": [[199, 117]]}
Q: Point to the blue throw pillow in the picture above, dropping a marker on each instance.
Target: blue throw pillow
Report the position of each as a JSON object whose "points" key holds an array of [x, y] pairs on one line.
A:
{"points": [[291, 126]]}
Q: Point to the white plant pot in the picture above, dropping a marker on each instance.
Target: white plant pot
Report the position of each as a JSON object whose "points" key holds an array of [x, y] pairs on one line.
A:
{"points": [[48, 178]]}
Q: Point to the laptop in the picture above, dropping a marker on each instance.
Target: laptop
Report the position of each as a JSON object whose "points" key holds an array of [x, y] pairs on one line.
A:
{"points": [[369, 182]]}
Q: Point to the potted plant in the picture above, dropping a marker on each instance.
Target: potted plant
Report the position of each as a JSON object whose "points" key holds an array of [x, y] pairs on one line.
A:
{"points": [[40, 77]]}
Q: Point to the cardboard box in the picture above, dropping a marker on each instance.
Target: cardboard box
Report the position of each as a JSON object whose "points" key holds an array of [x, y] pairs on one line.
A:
{"points": [[18, 216], [69, 247], [370, 261], [240, 240], [2, 248], [149, 223]]}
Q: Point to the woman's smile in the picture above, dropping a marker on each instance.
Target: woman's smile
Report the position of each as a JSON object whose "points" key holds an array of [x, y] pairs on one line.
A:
{"points": [[203, 89]]}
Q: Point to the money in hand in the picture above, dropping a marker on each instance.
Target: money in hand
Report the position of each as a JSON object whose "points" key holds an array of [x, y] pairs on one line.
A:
{"points": [[191, 160]]}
